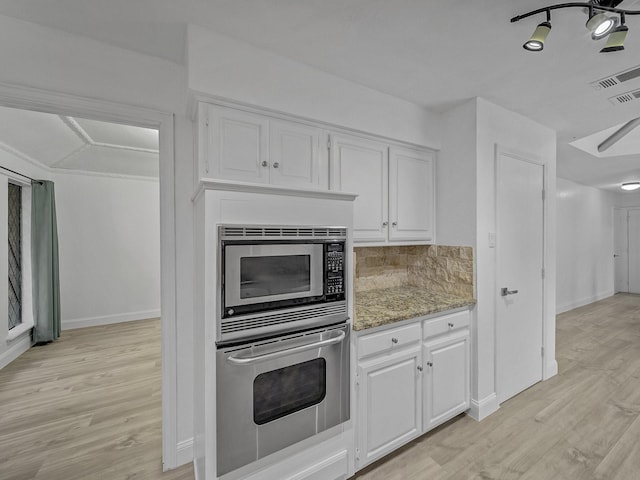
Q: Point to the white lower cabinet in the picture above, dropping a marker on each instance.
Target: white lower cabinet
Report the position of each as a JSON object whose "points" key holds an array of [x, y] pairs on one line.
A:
{"points": [[446, 378], [390, 407], [410, 379]]}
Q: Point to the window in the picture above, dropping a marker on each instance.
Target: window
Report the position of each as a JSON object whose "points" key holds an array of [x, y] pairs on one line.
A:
{"points": [[15, 254]]}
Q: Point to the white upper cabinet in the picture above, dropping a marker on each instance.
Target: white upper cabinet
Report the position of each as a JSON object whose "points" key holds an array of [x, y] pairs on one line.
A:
{"points": [[295, 153], [361, 166], [395, 187], [411, 194], [256, 148], [238, 145]]}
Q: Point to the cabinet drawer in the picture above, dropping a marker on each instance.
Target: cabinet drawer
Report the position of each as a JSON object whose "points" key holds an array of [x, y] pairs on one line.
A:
{"points": [[446, 323], [388, 340]]}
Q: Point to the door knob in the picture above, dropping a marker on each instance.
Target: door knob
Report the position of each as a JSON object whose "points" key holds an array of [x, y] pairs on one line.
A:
{"points": [[505, 291], [264, 163], [276, 165]]}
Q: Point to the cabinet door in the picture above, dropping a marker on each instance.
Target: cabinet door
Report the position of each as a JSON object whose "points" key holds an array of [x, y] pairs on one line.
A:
{"points": [[295, 153], [446, 379], [361, 166], [389, 404], [238, 143], [411, 194]]}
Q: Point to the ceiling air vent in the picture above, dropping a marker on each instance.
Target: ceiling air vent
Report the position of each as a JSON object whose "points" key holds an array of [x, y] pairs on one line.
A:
{"points": [[617, 79], [625, 97]]}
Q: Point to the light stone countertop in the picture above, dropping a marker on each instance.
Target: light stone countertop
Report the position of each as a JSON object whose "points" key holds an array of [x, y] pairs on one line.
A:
{"points": [[375, 308]]}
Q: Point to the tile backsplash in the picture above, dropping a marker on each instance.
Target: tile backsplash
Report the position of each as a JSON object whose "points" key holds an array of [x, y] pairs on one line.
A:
{"points": [[439, 268]]}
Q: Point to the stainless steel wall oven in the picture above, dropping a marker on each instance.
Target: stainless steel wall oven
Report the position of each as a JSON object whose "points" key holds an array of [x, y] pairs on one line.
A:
{"points": [[282, 372]]}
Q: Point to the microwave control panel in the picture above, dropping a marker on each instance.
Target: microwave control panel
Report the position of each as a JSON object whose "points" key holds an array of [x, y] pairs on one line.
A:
{"points": [[334, 268]]}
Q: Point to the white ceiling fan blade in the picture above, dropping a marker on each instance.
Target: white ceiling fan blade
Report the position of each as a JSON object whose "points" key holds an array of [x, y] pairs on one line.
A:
{"points": [[617, 135]]}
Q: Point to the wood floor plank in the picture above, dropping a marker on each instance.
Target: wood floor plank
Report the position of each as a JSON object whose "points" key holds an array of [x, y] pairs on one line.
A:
{"points": [[86, 407]]}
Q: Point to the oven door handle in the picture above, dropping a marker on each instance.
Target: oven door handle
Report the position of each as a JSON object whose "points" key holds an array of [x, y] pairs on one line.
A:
{"points": [[288, 351]]}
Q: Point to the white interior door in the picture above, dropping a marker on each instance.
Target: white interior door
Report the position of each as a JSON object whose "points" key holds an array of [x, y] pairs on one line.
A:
{"points": [[634, 251], [620, 250], [519, 257]]}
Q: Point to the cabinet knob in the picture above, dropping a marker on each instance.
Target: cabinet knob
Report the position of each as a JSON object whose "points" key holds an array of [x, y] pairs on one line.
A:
{"points": [[429, 364], [394, 224], [450, 325], [265, 163], [394, 340], [384, 224], [276, 165], [419, 368]]}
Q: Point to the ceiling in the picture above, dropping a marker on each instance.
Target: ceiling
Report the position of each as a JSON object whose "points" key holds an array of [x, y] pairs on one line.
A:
{"points": [[79, 144], [436, 54]]}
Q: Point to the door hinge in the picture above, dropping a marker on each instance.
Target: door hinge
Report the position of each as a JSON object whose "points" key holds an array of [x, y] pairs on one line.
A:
{"points": [[357, 379], [543, 273], [544, 194], [329, 143], [542, 351], [357, 454]]}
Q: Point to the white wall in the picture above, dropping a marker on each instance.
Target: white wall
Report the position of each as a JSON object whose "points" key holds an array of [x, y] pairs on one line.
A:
{"points": [[473, 132], [585, 245], [225, 67], [109, 247]]}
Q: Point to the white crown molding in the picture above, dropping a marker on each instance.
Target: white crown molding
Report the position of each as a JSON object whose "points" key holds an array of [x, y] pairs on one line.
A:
{"points": [[121, 176], [23, 156]]}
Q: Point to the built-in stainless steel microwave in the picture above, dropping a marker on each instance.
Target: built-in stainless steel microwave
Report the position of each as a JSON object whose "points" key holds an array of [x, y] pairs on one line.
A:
{"points": [[275, 279]]}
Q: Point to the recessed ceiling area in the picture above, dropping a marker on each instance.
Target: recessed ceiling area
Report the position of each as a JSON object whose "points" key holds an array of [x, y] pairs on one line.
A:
{"points": [[627, 145], [78, 144]]}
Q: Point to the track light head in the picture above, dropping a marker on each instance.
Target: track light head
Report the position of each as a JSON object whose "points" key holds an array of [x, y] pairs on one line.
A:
{"points": [[536, 42], [616, 39], [600, 25]]}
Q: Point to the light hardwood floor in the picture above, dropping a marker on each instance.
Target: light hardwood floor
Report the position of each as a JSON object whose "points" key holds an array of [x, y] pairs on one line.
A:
{"points": [[86, 407], [582, 424]]}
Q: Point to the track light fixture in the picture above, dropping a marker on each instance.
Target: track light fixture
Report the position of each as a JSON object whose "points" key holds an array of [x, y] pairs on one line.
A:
{"points": [[616, 39], [600, 23], [536, 42]]}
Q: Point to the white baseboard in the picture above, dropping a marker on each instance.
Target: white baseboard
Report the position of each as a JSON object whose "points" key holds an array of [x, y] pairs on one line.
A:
{"points": [[184, 452], [583, 301], [108, 319], [551, 370], [17, 348], [483, 408]]}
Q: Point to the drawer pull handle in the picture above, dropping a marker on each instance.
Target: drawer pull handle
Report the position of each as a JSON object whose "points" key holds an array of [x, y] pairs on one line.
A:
{"points": [[450, 325], [394, 340], [429, 364]]}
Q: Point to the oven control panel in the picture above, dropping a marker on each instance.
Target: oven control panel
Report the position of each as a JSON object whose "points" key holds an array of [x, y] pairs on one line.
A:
{"points": [[334, 268]]}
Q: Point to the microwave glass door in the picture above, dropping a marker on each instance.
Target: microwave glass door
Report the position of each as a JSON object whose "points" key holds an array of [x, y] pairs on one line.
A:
{"points": [[266, 273]]}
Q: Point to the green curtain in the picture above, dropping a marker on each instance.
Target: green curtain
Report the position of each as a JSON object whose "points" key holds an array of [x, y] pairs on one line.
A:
{"points": [[44, 258]]}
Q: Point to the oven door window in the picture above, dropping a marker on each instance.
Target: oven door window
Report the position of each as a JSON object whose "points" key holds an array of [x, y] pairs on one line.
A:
{"points": [[274, 275], [287, 390]]}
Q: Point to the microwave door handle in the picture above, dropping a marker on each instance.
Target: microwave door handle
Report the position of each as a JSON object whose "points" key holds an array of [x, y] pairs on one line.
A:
{"points": [[282, 353]]}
